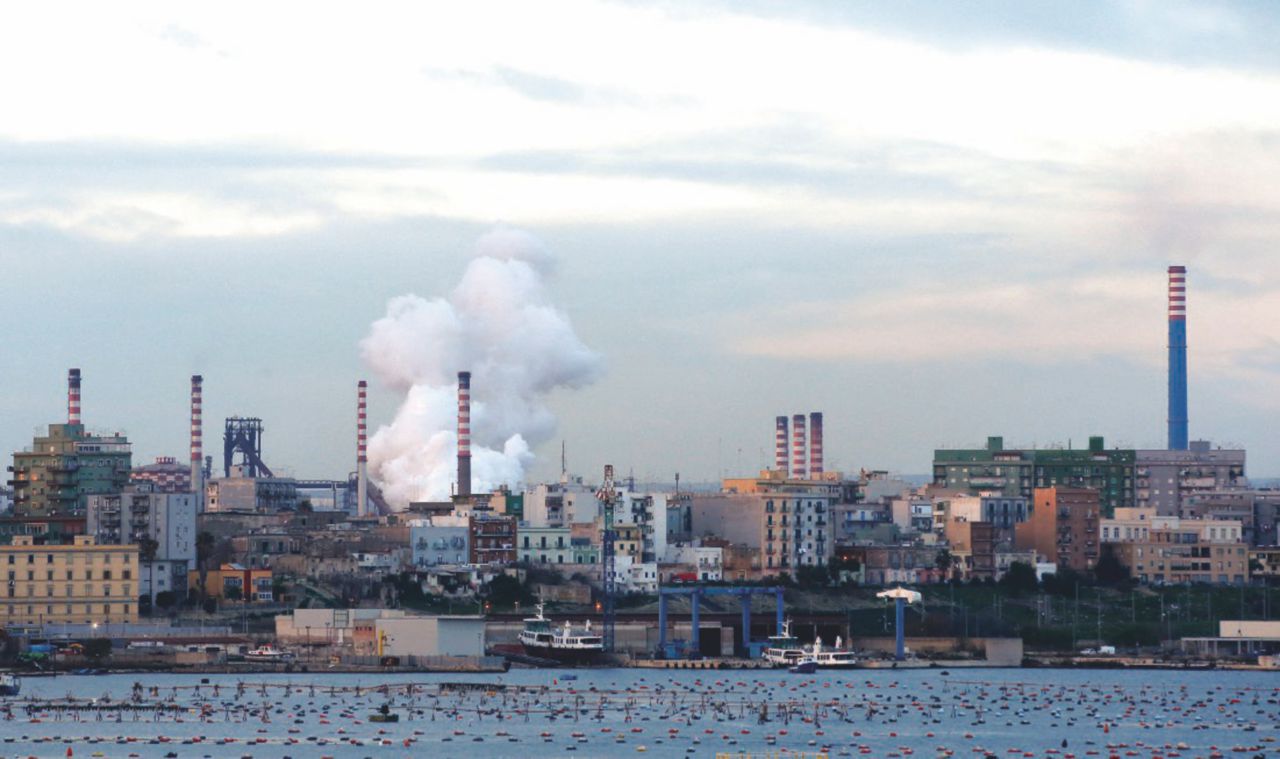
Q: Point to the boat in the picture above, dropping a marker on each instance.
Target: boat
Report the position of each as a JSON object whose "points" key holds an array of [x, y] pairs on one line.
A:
{"points": [[269, 654], [784, 649], [805, 666], [832, 658], [9, 684], [565, 644]]}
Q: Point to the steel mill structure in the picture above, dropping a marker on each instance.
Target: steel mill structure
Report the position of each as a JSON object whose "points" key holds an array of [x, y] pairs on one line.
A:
{"points": [[1177, 358], [245, 436], [197, 440]]}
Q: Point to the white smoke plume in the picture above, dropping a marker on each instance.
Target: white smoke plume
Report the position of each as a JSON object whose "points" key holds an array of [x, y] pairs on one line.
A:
{"points": [[499, 325]]}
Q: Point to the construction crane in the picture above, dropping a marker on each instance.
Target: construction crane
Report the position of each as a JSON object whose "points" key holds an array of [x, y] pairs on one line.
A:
{"points": [[608, 496]]}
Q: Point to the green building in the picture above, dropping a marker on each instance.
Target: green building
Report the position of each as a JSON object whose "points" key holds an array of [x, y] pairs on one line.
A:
{"points": [[61, 470], [1019, 472]]}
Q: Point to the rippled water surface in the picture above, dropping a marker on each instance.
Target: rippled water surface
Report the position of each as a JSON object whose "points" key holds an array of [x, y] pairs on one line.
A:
{"points": [[613, 713]]}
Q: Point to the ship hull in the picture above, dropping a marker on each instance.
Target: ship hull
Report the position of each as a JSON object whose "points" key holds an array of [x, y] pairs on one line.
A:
{"points": [[564, 655]]}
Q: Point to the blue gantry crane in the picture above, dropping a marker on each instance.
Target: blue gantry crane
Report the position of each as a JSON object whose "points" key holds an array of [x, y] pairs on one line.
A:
{"points": [[695, 593]]}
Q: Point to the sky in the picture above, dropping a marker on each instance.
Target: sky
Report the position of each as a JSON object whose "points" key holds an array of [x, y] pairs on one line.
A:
{"points": [[933, 222]]}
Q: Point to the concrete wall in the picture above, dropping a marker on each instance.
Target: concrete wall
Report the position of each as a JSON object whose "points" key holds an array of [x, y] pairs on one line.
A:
{"points": [[432, 636], [1234, 628], [1001, 651]]}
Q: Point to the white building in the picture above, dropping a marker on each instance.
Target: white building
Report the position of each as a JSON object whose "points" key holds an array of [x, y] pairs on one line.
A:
{"points": [[544, 545], [167, 518], [706, 561], [442, 540], [1136, 524]]}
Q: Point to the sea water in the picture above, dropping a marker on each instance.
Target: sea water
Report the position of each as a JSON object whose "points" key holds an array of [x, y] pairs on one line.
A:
{"points": [[633, 712]]}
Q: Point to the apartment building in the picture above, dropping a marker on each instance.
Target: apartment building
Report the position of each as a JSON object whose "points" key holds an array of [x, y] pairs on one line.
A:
{"points": [[81, 582], [1062, 527]]}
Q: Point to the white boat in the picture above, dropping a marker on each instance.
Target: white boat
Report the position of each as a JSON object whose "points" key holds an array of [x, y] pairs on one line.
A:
{"points": [[269, 654], [540, 638], [832, 658], [9, 684], [784, 649]]}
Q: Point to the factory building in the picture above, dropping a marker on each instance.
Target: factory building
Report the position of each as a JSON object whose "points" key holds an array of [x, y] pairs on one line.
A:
{"points": [[246, 493], [1012, 472], [82, 582]]}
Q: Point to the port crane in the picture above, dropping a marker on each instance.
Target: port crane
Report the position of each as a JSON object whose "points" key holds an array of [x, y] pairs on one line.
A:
{"points": [[608, 497]]}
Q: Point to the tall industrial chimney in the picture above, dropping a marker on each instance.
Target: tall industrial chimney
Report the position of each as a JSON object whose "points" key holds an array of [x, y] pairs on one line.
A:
{"points": [[1177, 358], [797, 447], [464, 433], [362, 474], [780, 457], [73, 396], [197, 441], [815, 445]]}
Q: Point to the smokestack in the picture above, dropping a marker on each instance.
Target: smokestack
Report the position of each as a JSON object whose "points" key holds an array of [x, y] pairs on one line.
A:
{"points": [[73, 396], [780, 457], [464, 433], [1177, 358], [797, 447], [197, 441], [815, 445], [362, 460]]}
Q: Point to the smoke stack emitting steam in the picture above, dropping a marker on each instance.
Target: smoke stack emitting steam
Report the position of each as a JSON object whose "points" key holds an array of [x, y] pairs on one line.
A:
{"points": [[464, 433], [73, 396], [362, 473], [499, 325], [1177, 358]]}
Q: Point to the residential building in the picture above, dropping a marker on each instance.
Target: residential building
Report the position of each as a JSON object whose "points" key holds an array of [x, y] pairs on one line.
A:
{"points": [[912, 513], [492, 538], [140, 513], [973, 549], [62, 469], [1009, 472], [791, 529], [230, 582], [1063, 527], [1136, 525], [1166, 479], [440, 541], [78, 582], [706, 563], [1181, 554], [546, 545]]}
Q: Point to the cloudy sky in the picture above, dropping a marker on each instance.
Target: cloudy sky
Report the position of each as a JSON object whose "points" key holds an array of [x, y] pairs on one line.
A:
{"points": [[932, 221]]}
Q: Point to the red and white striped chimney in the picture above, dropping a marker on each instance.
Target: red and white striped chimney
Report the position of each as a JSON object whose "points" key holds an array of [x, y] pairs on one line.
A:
{"points": [[798, 470], [780, 457], [197, 440], [362, 459], [815, 445], [73, 396], [464, 433]]}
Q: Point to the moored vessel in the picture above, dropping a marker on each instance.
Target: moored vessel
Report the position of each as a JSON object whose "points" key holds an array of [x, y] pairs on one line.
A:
{"points": [[565, 644]]}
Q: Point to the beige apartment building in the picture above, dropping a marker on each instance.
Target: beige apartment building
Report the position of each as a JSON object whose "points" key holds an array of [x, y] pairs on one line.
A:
{"points": [[78, 583]]}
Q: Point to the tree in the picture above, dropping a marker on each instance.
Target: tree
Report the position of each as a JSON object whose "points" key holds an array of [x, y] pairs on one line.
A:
{"points": [[147, 548], [505, 590], [1063, 582], [944, 561], [165, 599], [813, 577], [205, 543], [97, 648], [232, 593], [1020, 578], [1109, 570]]}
